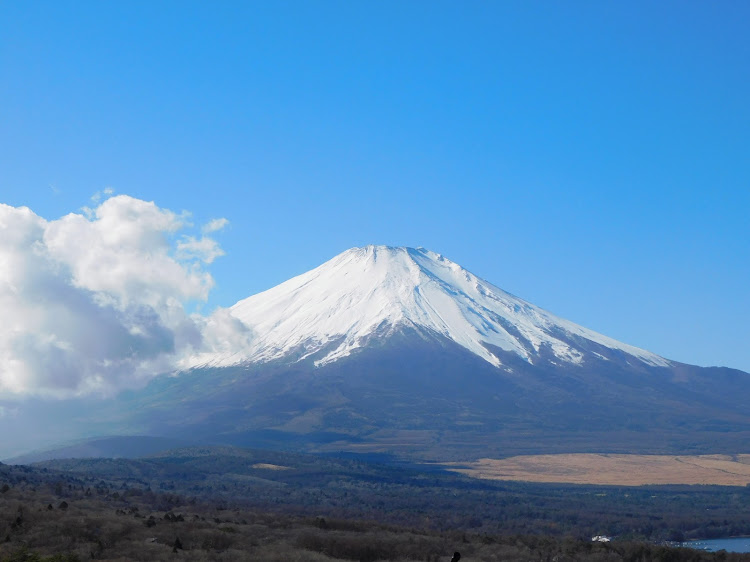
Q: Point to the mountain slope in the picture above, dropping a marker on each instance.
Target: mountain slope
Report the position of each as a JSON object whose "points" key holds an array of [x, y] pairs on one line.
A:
{"points": [[379, 289], [412, 397], [400, 351], [129, 447]]}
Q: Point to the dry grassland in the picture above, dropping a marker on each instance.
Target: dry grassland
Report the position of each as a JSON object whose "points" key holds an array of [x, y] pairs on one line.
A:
{"points": [[620, 470]]}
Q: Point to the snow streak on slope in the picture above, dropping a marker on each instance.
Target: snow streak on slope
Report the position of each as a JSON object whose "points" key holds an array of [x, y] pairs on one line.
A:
{"points": [[380, 288]]}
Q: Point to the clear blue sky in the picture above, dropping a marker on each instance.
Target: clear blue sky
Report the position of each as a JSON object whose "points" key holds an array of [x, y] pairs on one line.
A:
{"points": [[590, 157]]}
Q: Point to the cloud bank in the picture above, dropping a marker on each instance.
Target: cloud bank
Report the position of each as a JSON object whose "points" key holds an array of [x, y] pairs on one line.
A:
{"points": [[96, 302]]}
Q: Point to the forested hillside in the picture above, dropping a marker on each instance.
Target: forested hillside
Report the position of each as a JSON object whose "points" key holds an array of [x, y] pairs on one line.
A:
{"points": [[425, 495], [49, 516]]}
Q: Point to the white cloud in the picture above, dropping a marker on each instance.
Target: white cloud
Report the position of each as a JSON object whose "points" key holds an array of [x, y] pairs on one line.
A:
{"points": [[204, 249], [96, 302], [99, 195], [214, 225]]}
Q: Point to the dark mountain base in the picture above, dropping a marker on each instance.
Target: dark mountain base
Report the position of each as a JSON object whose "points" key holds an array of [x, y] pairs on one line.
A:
{"points": [[420, 396], [128, 447]]}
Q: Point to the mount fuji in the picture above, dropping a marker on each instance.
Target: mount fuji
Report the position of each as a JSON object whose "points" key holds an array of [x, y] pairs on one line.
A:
{"points": [[401, 351], [377, 290]]}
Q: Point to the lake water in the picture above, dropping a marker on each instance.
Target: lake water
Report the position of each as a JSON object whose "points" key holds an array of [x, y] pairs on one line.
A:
{"points": [[734, 544]]}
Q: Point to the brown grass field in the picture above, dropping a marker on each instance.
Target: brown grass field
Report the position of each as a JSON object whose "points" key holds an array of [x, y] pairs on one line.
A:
{"points": [[620, 470]]}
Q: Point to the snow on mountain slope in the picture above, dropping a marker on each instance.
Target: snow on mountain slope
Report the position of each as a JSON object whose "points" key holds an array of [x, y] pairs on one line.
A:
{"points": [[345, 300]]}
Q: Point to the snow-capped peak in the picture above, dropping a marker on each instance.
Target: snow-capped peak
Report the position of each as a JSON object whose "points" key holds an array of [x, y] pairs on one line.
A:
{"points": [[344, 301]]}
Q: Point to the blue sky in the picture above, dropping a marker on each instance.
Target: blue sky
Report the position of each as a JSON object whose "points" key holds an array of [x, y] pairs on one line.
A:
{"points": [[590, 157]]}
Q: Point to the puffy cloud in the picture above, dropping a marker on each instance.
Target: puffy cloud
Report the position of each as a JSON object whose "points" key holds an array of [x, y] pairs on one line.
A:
{"points": [[225, 340], [96, 302]]}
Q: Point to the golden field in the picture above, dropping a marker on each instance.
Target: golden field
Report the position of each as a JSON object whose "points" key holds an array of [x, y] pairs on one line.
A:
{"points": [[614, 469]]}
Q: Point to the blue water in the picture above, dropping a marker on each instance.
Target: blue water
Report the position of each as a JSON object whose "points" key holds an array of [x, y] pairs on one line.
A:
{"points": [[735, 544]]}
